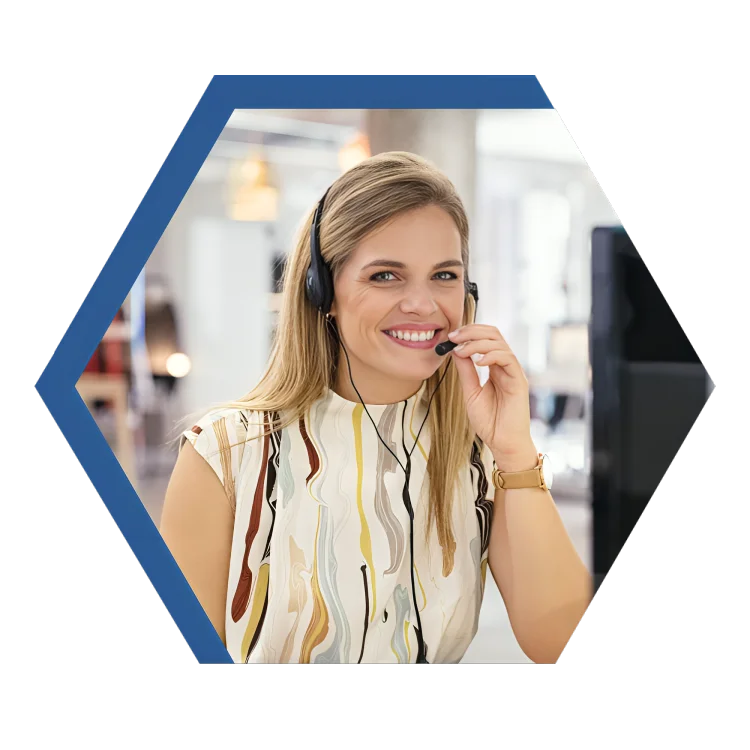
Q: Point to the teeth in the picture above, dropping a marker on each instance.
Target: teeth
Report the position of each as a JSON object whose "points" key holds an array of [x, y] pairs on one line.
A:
{"points": [[412, 335]]}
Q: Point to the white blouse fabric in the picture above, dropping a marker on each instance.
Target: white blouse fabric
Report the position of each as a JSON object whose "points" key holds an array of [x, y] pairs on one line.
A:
{"points": [[320, 559]]}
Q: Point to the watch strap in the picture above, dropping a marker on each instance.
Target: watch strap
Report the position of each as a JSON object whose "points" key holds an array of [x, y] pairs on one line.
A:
{"points": [[517, 480]]}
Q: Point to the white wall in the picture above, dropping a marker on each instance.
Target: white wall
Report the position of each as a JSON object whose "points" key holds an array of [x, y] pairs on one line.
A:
{"points": [[226, 317], [218, 272], [503, 240]]}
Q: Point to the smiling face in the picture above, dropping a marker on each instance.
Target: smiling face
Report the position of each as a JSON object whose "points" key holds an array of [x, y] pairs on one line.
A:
{"points": [[395, 298]]}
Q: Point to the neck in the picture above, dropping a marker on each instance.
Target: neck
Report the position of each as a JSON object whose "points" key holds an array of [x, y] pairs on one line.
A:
{"points": [[373, 386]]}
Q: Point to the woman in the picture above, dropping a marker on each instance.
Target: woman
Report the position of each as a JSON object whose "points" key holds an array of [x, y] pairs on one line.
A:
{"points": [[343, 511]]}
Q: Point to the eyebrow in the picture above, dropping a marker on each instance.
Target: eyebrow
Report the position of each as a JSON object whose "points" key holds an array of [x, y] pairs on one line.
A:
{"points": [[384, 262]]}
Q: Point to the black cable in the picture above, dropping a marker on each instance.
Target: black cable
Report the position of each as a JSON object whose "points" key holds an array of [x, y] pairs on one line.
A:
{"points": [[422, 652], [351, 379], [421, 648]]}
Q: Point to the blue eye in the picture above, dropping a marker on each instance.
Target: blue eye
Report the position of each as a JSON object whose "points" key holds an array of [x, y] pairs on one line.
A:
{"points": [[375, 276], [450, 274]]}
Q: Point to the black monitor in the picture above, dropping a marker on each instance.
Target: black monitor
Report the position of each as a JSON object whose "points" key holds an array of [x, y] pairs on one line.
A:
{"points": [[648, 387]]}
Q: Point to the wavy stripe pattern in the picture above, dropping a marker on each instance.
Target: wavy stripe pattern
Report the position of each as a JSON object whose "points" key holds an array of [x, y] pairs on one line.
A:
{"points": [[392, 527], [323, 575]]}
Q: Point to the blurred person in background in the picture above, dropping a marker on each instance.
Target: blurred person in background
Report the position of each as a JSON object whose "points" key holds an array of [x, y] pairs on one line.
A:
{"points": [[346, 509]]}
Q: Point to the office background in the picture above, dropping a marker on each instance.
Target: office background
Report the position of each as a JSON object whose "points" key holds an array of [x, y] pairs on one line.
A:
{"points": [[533, 205]]}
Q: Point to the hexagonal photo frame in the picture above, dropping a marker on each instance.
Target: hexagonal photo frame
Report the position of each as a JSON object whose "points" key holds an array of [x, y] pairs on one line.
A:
{"points": [[226, 94]]}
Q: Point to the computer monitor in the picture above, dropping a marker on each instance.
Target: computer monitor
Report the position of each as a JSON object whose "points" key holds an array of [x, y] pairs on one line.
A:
{"points": [[648, 387]]}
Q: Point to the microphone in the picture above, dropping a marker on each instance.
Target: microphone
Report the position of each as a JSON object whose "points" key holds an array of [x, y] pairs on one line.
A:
{"points": [[444, 347]]}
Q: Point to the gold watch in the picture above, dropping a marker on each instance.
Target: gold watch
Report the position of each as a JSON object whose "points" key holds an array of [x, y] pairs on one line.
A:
{"points": [[539, 477]]}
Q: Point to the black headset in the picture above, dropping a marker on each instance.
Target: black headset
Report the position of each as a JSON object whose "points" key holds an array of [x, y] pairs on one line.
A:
{"points": [[319, 280], [319, 290]]}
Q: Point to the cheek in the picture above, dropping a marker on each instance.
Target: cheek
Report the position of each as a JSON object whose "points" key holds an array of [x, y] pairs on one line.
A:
{"points": [[361, 314], [368, 308], [453, 310]]}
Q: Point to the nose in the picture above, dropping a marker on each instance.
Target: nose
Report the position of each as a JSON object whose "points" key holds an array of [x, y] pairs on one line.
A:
{"points": [[418, 301]]}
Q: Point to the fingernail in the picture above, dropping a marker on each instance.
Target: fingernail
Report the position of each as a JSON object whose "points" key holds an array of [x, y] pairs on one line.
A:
{"points": [[460, 346], [477, 357], [452, 334]]}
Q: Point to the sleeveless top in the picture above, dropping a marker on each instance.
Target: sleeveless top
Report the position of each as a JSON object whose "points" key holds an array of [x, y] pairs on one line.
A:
{"points": [[320, 558]]}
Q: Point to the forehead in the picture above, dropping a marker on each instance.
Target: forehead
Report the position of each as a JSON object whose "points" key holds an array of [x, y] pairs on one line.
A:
{"points": [[422, 236]]}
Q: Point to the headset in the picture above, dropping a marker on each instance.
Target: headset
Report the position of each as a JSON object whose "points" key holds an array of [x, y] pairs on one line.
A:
{"points": [[319, 290]]}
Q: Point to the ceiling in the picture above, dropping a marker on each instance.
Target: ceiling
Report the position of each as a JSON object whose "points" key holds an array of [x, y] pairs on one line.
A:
{"points": [[345, 117], [528, 134]]}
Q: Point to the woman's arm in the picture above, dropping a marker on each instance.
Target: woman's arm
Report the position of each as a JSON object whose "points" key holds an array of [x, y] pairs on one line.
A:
{"points": [[197, 524], [544, 583]]}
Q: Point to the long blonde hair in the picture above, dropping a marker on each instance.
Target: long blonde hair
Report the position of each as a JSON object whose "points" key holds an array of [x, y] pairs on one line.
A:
{"points": [[304, 355]]}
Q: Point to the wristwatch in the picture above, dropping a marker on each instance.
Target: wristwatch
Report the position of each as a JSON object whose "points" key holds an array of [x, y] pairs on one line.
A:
{"points": [[540, 476]]}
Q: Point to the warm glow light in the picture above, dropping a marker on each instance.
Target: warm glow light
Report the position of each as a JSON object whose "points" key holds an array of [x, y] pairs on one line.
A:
{"points": [[251, 196], [253, 170], [178, 365], [258, 203], [354, 152]]}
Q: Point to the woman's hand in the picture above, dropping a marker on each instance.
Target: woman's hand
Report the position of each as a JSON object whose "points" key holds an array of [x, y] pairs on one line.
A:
{"points": [[498, 411]]}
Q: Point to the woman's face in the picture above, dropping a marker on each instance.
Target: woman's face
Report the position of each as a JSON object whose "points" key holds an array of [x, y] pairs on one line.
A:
{"points": [[398, 295]]}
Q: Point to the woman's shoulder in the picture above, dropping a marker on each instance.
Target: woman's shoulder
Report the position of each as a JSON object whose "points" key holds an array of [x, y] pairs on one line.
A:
{"points": [[227, 438], [226, 427]]}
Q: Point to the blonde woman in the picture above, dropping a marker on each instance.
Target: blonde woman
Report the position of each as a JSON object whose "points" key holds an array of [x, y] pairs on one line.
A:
{"points": [[346, 510]]}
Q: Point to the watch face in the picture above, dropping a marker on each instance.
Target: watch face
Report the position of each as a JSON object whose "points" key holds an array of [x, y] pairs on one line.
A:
{"points": [[547, 473]]}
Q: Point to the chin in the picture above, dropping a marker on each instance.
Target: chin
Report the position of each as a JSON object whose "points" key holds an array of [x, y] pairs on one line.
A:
{"points": [[404, 364], [401, 370]]}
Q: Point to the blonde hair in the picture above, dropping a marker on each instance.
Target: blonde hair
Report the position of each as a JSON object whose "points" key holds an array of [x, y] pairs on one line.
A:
{"points": [[304, 355]]}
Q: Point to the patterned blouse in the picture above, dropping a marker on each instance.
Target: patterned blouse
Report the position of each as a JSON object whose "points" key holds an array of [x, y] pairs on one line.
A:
{"points": [[319, 567]]}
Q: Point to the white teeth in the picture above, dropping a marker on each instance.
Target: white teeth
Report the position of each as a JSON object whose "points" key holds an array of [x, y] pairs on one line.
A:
{"points": [[412, 335]]}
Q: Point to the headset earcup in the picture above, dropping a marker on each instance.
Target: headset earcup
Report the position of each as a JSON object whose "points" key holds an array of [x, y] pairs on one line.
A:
{"points": [[311, 288], [326, 283], [318, 282], [319, 288]]}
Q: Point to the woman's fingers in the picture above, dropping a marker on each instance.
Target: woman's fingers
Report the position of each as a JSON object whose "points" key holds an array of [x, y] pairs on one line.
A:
{"points": [[474, 331], [479, 346]]}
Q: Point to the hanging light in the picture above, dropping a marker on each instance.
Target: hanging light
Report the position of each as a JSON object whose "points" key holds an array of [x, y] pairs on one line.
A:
{"points": [[251, 195], [355, 151]]}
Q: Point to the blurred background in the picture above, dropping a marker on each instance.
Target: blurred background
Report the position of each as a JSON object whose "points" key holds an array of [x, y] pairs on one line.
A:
{"points": [[615, 385]]}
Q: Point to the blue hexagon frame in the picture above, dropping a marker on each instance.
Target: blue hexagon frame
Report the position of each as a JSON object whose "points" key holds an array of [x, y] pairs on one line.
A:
{"points": [[57, 384]]}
